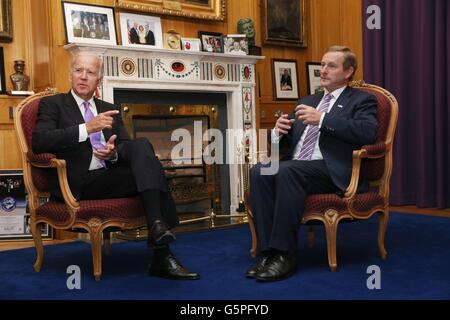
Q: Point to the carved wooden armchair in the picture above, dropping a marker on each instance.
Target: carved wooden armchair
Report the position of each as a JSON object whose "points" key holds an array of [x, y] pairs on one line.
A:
{"points": [[375, 161], [97, 217]]}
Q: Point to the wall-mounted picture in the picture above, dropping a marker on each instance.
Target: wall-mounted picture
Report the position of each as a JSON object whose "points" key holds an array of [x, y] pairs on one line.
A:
{"points": [[284, 22], [194, 9], [2, 73], [89, 24], [140, 30], [190, 44], [313, 77], [5, 21], [211, 41], [235, 44], [284, 76], [172, 41]]}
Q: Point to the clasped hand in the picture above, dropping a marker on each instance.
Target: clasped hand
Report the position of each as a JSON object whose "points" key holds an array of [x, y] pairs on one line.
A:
{"points": [[308, 115], [108, 152]]}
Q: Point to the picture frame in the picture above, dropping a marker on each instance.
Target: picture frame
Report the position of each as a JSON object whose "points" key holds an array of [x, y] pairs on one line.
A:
{"points": [[235, 44], [191, 44], [172, 41], [211, 41], [285, 79], [89, 24], [313, 77], [2, 73], [142, 31], [193, 9], [284, 22], [6, 34]]}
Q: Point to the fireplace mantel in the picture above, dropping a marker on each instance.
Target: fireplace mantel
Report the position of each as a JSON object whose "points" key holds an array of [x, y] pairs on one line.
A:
{"points": [[184, 71]]}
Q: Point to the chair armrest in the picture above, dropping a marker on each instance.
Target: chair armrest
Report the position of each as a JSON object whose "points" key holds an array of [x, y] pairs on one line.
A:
{"points": [[372, 151], [61, 169]]}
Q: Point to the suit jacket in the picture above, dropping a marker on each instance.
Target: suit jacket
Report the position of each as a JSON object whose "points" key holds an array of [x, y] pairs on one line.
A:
{"points": [[56, 132], [351, 124]]}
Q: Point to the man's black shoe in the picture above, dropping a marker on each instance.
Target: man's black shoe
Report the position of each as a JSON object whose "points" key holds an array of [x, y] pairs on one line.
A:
{"points": [[260, 264], [160, 234], [170, 268], [279, 267]]}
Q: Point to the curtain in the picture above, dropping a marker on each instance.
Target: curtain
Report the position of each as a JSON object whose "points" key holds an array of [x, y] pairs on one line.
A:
{"points": [[410, 57]]}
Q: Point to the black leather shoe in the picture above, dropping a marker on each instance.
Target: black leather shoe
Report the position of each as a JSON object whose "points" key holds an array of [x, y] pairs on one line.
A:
{"points": [[279, 267], [160, 234], [260, 264], [170, 268]]}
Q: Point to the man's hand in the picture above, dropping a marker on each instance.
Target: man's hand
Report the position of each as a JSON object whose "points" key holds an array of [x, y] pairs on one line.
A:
{"points": [[283, 124], [101, 121], [108, 152], [307, 114]]}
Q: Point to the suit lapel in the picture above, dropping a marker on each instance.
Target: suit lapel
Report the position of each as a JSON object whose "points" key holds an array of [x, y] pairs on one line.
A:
{"points": [[72, 108], [343, 100], [102, 107]]}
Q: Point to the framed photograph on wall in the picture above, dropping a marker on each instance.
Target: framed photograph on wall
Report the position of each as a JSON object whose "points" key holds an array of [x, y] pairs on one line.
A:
{"points": [[313, 77], [2, 73], [284, 22], [139, 30], [5, 21], [89, 24], [284, 77], [211, 41], [193, 9]]}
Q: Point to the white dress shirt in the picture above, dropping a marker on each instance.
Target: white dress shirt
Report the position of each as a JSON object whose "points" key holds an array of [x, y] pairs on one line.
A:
{"points": [[317, 154], [82, 131]]}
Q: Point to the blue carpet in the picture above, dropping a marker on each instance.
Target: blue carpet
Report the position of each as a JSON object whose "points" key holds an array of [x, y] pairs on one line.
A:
{"points": [[418, 267]]}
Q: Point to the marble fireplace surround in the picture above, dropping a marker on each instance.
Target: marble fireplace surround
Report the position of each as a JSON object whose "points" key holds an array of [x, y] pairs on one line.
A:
{"points": [[185, 71]]}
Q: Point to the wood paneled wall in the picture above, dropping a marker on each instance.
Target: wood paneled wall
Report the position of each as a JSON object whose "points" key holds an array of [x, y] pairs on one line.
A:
{"points": [[39, 37]]}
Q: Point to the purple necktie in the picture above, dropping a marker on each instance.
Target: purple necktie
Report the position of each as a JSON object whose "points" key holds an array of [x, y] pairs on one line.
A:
{"points": [[94, 136], [313, 133]]}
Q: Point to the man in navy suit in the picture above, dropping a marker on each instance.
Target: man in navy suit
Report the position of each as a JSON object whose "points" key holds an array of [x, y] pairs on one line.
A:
{"points": [[102, 161], [321, 135]]}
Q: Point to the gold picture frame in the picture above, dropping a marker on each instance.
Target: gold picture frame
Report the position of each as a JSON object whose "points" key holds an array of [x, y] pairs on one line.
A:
{"points": [[284, 22], [195, 9], [5, 21]]}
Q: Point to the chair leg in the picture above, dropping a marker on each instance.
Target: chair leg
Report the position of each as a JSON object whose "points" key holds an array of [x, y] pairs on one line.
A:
{"points": [[96, 247], [331, 231], [311, 236], [107, 242], [383, 222], [36, 232], [251, 225]]}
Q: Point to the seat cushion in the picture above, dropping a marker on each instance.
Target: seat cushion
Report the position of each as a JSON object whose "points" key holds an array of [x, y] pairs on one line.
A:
{"points": [[363, 204], [122, 209]]}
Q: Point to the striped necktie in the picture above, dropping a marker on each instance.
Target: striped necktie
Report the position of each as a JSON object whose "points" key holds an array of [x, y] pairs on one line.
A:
{"points": [[313, 133]]}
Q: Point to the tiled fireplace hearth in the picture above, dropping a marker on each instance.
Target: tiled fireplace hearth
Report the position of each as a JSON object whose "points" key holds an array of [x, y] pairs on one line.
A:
{"points": [[185, 73]]}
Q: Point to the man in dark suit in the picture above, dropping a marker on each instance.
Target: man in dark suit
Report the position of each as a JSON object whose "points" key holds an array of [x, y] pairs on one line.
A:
{"points": [[321, 136], [102, 162], [133, 33]]}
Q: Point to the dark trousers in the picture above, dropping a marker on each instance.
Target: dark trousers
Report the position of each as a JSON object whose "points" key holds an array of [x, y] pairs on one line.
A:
{"points": [[136, 172], [278, 200]]}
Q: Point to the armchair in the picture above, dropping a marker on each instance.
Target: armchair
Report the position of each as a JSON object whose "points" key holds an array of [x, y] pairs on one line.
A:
{"points": [[375, 161], [97, 217]]}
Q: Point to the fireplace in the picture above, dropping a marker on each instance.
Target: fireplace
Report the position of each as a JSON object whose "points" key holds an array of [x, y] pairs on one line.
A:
{"points": [[152, 80]]}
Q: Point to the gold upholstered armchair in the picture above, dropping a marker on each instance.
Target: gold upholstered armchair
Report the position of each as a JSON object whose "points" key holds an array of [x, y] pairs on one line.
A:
{"points": [[97, 217], [375, 161]]}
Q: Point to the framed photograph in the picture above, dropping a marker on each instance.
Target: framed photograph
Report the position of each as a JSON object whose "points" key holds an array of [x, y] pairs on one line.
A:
{"points": [[140, 30], [5, 21], [235, 44], [2, 73], [190, 44], [313, 77], [89, 24], [284, 22], [211, 41], [172, 41], [14, 214], [284, 75], [193, 9]]}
